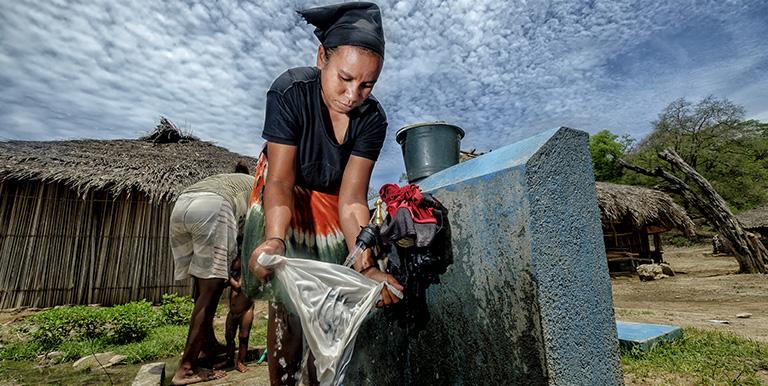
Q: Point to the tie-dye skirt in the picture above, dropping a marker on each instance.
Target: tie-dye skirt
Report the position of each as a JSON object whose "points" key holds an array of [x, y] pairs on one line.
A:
{"points": [[314, 233]]}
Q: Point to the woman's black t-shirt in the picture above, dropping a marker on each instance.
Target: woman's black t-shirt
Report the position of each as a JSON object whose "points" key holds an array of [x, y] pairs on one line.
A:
{"points": [[294, 116]]}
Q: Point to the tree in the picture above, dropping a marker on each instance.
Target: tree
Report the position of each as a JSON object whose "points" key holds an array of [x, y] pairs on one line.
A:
{"points": [[713, 138], [693, 130], [607, 149], [749, 251]]}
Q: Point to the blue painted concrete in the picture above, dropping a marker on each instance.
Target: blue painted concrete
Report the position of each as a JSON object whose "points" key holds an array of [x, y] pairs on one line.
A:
{"points": [[645, 335], [503, 158], [528, 298]]}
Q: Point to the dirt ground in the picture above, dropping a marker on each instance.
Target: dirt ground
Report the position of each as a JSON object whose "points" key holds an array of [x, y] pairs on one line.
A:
{"points": [[705, 288]]}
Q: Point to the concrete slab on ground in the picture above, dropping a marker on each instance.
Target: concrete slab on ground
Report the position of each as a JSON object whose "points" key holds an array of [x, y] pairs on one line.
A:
{"points": [[645, 335]]}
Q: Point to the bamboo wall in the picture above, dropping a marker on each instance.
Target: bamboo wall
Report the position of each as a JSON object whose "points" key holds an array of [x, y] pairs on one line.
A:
{"points": [[58, 248]]}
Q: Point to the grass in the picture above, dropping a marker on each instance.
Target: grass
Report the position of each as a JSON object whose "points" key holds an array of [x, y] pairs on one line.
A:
{"points": [[700, 357], [19, 364], [162, 342]]}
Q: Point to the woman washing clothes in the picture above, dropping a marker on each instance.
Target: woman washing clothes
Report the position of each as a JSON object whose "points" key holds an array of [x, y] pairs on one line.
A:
{"points": [[324, 132]]}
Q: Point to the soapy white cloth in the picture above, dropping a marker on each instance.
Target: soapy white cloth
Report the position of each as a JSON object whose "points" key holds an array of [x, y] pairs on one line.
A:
{"points": [[332, 301]]}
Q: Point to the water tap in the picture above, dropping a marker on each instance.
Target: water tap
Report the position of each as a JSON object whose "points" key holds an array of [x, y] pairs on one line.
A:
{"points": [[368, 236]]}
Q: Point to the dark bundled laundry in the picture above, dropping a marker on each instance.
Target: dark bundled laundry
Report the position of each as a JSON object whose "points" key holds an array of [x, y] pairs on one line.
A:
{"points": [[418, 250]]}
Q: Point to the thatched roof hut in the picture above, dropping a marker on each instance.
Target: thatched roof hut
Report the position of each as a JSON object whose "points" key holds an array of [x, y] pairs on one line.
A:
{"points": [[151, 165], [638, 207], [756, 221], [86, 221], [754, 218], [630, 214]]}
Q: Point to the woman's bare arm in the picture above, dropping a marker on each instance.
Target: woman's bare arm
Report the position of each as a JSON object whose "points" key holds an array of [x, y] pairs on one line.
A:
{"points": [[278, 190], [278, 204], [354, 214]]}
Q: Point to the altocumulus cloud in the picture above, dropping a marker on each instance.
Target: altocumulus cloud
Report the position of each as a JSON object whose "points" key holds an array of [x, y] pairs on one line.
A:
{"points": [[502, 70]]}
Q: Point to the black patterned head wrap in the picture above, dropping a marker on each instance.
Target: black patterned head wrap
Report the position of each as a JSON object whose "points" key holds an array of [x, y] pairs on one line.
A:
{"points": [[355, 24]]}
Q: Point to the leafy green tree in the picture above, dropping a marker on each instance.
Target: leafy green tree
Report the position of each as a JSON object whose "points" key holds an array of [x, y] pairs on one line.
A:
{"points": [[606, 149], [694, 130], [713, 137]]}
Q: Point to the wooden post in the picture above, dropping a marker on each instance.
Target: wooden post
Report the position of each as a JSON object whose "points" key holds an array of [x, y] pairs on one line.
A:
{"points": [[657, 248]]}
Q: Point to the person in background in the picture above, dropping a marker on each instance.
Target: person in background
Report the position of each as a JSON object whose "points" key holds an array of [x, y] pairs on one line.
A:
{"points": [[240, 317], [204, 229]]}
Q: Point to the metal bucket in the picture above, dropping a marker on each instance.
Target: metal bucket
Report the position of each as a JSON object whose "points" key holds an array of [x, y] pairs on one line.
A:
{"points": [[429, 147]]}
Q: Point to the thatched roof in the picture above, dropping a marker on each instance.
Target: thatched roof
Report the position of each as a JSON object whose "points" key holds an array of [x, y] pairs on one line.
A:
{"points": [[161, 164], [754, 218], [640, 207]]}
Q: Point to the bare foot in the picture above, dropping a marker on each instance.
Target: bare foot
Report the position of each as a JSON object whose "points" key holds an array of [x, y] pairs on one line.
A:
{"points": [[195, 376], [240, 366]]}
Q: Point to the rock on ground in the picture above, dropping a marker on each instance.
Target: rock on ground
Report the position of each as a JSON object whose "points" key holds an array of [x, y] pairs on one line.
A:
{"points": [[667, 269], [151, 374], [105, 359], [50, 358], [648, 272]]}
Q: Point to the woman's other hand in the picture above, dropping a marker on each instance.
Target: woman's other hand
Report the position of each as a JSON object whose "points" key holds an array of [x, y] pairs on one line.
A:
{"points": [[387, 297], [273, 246]]}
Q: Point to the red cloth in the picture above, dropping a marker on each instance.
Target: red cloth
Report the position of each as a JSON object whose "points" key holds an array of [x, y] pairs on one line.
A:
{"points": [[409, 197]]}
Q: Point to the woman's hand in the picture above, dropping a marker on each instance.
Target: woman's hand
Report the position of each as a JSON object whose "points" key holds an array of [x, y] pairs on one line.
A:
{"points": [[387, 297], [273, 246]]}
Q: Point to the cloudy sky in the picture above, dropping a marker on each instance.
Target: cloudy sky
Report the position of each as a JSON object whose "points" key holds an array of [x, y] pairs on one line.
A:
{"points": [[502, 70]]}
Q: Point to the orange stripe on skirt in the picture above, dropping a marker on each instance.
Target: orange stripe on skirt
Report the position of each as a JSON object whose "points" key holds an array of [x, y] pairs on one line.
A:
{"points": [[315, 230]]}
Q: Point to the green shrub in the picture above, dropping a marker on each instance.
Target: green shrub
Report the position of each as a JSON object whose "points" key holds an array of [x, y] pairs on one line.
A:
{"points": [[176, 310], [20, 351], [679, 240], [137, 329], [124, 323], [52, 327], [131, 322]]}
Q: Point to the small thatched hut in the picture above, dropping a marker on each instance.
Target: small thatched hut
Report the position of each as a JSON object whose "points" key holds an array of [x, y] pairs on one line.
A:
{"points": [[86, 221], [756, 221], [630, 214]]}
